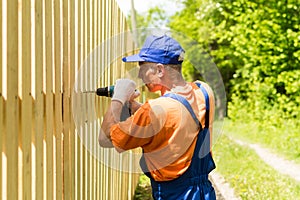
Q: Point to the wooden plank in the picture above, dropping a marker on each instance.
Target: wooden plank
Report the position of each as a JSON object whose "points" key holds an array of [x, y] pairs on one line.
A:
{"points": [[94, 84], [85, 170], [66, 103], [87, 80], [12, 107], [79, 188], [77, 148], [104, 81], [2, 114], [49, 100], [90, 101], [72, 80], [83, 152], [98, 44], [38, 104], [76, 168], [26, 110], [58, 99]]}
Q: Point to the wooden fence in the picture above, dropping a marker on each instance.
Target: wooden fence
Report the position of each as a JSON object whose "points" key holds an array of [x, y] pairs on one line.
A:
{"points": [[51, 51]]}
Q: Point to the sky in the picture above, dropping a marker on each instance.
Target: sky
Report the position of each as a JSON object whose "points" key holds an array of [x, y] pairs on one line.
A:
{"points": [[142, 6]]}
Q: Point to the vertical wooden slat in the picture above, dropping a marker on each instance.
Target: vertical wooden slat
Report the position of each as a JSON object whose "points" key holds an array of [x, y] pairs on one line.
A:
{"points": [[109, 81], [1, 101], [11, 147], [74, 136], [106, 82], [84, 98], [66, 102], [95, 123], [93, 84], [51, 115], [88, 87], [98, 41], [26, 99], [79, 150], [49, 98], [72, 80], [38, 105], [100, 61], [90, 101], [58, 98], [19, 77]]}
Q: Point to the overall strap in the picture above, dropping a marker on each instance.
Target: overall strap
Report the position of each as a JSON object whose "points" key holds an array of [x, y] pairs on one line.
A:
{"points": [[207, 106]]}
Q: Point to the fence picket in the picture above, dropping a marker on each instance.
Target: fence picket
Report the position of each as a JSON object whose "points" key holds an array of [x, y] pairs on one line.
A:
{"points": [[39, 100], [26, 117], [49, 99], [58, 99], [72, 67], [66, 104], [50, 51], [1, 102], [12, 108]]}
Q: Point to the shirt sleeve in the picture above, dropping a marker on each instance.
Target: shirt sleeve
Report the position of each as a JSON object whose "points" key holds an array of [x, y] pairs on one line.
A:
{"points": [[139, 129]]}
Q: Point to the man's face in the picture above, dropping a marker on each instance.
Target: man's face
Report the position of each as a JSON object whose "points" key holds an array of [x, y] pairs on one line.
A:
{"points": [[148, 73]]}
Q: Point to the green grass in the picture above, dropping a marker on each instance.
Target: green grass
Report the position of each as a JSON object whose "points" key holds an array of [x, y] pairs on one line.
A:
{"points": [[284, 140], [143, 189], [250, 177]]}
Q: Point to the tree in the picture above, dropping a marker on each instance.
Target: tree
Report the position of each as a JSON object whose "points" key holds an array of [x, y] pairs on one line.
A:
{"points": [[256, 47]]}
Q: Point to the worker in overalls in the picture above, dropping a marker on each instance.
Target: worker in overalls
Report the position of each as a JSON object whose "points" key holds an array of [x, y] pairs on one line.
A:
{"points": [[174, 130]]}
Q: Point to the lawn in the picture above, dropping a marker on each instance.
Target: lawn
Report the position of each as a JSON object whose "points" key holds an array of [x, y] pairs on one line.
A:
{"points": [[242, 168], [250, 177]]}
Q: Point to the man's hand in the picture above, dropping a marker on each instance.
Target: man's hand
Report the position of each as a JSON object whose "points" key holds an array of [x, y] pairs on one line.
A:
{"points": [[124, 89], [136, 94]]}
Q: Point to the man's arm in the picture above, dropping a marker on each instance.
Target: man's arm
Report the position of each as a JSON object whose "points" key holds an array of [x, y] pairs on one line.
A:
{"points": [[134, 106], [111, 117], [123, 91]]}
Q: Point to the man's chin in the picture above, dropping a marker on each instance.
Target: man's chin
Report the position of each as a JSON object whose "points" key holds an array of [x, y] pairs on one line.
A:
{"points": [[152, 87]]}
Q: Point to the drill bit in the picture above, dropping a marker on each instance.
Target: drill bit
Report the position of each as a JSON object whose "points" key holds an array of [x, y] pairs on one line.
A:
{"points": [[89, 92]]}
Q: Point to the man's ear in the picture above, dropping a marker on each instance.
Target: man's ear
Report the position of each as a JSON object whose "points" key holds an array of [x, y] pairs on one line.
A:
{"points": [[160, 70]]}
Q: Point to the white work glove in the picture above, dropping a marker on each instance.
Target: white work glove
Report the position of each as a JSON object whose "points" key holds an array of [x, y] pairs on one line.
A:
{"points": [[134, 95], [124, 89]]}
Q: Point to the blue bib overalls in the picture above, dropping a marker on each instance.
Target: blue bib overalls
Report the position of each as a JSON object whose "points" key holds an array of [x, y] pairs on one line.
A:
{"points": [[192, 184]]}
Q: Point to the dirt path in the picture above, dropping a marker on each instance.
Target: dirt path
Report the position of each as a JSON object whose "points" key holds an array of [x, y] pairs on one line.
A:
{"points": [[280, 164], [223, 190]]}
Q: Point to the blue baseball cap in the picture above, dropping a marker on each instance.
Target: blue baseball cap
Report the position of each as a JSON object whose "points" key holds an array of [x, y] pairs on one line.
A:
{"points": [[158, 49]]}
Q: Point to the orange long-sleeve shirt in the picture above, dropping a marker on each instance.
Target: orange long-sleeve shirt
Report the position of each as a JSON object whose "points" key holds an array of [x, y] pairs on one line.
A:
{"points": [[166, 131]]}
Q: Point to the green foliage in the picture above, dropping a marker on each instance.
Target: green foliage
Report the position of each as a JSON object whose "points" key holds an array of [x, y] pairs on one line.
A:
{"points": [[155, 18], [269, 49], [256, 46]]}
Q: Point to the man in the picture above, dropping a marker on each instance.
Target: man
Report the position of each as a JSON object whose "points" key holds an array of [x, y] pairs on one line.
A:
{"points": [[174, 130]]}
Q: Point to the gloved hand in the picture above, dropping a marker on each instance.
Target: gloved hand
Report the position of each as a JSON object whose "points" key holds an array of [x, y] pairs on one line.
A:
{"points": [[134, 95], [124, 89]]}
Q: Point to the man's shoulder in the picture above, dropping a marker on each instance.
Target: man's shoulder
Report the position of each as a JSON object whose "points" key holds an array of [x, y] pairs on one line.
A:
{"points": [[206, 86], [162, 101]]}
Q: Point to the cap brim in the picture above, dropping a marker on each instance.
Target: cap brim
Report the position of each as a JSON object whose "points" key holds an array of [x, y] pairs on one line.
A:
{"points": [[133, 58]]}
